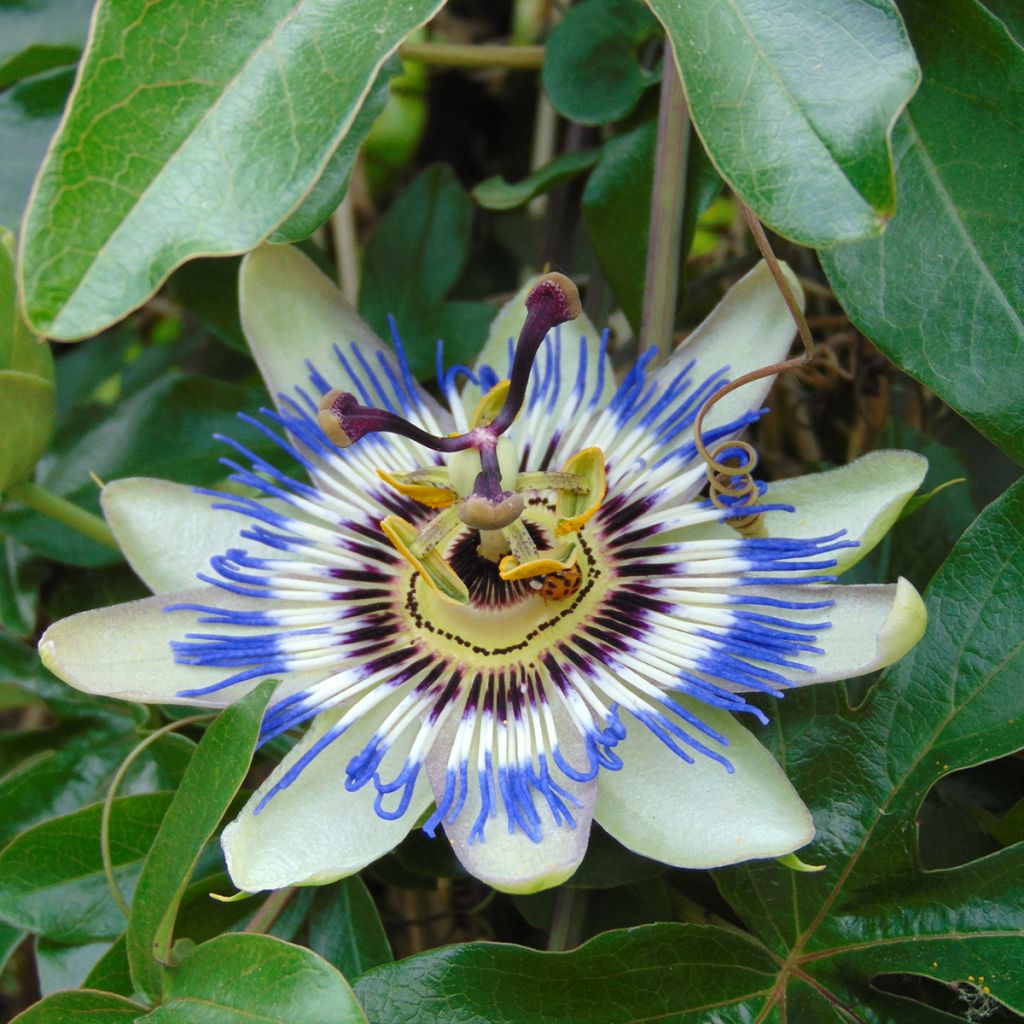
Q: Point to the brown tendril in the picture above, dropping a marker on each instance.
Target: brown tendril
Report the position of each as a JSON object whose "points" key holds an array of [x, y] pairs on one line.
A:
{"points": [[731, 480]]}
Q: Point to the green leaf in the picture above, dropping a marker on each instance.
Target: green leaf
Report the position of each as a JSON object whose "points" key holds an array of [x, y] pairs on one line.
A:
{"points": [[211, 781], [39, 35], [166, 430], [412, 261], [10, 939], [198, 148], [795, 102], [665, 972], [29, 114], [85, 1007], [62, 781], [498, 194], [346, 930], [111, 972], [941, 293], [592, 73], [617, 212], [239, 979], [328, 192], [955, 701], [26, 381], [20, 578], [51, 877], [62, 967]]}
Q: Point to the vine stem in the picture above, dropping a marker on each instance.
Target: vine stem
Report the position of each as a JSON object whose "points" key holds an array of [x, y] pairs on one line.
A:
{"points": [[55, 507], [567, 919], [664, 238], [270, 910], [108, 803], [775, 269], [460, 55]]}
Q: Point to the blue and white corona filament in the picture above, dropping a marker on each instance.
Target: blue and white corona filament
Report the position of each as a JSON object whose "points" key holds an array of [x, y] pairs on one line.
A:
{"points": [[480, 607]]}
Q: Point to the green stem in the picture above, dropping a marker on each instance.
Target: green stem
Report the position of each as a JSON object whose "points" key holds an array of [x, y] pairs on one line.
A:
{"points": [[664, 240], [49, 504], [567, 919], [458, 55]]}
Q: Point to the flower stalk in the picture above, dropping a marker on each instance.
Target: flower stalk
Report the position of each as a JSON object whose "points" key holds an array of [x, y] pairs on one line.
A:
{"points": [[39, 499]]}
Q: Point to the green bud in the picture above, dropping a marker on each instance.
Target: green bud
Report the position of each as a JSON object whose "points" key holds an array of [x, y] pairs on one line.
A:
{"points": [[27, 395]]}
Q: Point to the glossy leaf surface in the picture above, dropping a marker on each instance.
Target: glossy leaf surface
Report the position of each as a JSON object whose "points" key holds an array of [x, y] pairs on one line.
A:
{"points": [[51, 877], [210, 783], [278, 984], [795, 102], [203, 147], [941, 292]]}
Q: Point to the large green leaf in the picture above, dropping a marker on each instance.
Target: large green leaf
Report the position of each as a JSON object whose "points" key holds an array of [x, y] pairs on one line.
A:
{"points": [[29, 113], [240, 979], [953, 702], [194, 129], [85, 1007], [941, 292], [795, 101], [211, 781], [79, 772], [346, 930], [412, 261], [60, 967], [330, 189], [666, 973], [51, 877]]}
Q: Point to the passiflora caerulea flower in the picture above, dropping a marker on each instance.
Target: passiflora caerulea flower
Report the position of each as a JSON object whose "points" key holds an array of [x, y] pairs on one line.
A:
{"points": [[507, 617]]}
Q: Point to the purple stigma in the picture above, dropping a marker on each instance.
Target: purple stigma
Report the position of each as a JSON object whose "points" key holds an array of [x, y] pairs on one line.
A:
{"points": [[552, 301]]}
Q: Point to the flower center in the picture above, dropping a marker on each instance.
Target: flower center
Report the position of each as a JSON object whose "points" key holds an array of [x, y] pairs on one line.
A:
{"points": [[480, 486]]}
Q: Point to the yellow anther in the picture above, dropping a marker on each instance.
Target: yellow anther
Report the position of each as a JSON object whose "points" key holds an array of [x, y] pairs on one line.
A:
{"points": [[510, 568], [576, 508], [434, 570], [425, 491]]}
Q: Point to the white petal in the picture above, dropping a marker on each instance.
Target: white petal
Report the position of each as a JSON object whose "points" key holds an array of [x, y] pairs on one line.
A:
{"points": [[291, 313], [124, 650], [698, 815], [751, 327], [872, 626], [167, 532], [563, 342], [515, 863], [864, 498], [315, 831]]}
